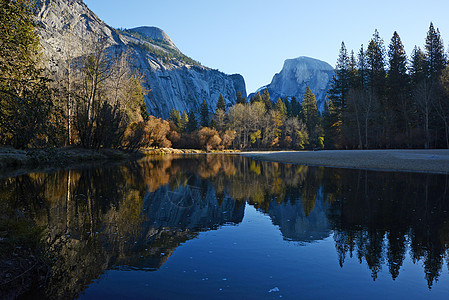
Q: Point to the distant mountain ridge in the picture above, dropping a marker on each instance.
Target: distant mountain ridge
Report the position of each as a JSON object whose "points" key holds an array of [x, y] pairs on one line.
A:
{"points": [[173, 79], [296, 75]]}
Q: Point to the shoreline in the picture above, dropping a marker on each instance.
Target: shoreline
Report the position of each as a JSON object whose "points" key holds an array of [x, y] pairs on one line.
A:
{"points": [[428, 161], [15, 162]]}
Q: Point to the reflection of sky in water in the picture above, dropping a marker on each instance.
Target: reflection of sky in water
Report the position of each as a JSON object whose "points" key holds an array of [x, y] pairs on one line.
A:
{"points": [[251, 259]]}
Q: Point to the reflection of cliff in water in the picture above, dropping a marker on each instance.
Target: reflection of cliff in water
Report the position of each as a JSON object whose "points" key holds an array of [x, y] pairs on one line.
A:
{"points": [[130, 217], [295, 225], [135, 216], [186, 208], [174, 216]]}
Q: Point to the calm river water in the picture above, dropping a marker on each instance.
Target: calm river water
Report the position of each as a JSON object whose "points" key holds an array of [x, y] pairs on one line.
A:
{"points": [[229, 227]]}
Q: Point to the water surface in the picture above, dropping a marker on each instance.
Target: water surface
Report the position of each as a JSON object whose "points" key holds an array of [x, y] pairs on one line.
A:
{"points": [[229, 227]]}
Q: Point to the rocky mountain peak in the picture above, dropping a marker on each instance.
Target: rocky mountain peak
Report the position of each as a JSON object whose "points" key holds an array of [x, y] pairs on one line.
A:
{"points": [[297, 74], [154, 33], [303, 68]]}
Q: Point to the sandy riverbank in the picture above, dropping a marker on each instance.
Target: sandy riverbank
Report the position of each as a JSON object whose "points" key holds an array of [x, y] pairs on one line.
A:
{"points": [[435, 161]]}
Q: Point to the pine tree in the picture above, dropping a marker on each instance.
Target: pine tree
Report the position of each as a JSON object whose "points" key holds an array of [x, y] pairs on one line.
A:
{"points": [[309, 110], [398, 100], [310, 116], [397, 71], [420, 92], [204, 113], [257, 98], [281, 107], [418, 66], [184, 121], [435, 56], [352, 71], [27, 112], [221, 104], [362, 69], [375, 55], [192, 124], [240, 98], [266, 98], [295, 107], [340, 83], [175, 117], [435, 63]]}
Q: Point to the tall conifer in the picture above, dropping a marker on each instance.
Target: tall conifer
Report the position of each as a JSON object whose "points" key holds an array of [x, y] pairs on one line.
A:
{"points": [[221, 104], [192, 124], [375, 55], [281, 107], [266, 98], [435, 56], [309, 109], [362, 69], [240, 99], [204, 113], [340, 82], [398, 102]]}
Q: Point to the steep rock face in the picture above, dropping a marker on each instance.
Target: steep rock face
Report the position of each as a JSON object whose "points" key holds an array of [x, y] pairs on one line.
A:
{"points": [[191, 208], [185, 87], [295, 225], [296, 75], [67, 27]]}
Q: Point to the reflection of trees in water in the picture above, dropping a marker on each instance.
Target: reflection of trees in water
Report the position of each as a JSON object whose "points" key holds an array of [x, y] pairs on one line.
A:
{"points": [[96, 218], [86, 214], [379, 216], [137, 214], [376, 216]]}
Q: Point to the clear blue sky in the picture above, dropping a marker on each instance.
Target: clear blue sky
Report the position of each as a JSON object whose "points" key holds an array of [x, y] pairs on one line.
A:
{"points": [[254, 37]]}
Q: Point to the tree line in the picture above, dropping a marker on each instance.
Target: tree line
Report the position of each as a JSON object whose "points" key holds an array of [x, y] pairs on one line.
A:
{"points": [[258, 123], [380, 98]]}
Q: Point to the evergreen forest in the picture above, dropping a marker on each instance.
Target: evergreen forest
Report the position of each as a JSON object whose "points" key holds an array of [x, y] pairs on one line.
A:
{"points": [[382, 98]]}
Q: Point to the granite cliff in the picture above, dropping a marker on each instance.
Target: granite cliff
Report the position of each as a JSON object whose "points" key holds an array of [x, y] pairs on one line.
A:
{"points": [[67, 27], [296, 75], [297, 225]]}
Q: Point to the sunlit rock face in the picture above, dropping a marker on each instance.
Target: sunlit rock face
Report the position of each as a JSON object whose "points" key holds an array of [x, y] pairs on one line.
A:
{"points": [[296, 75], [67, 29], [156, 34]]}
